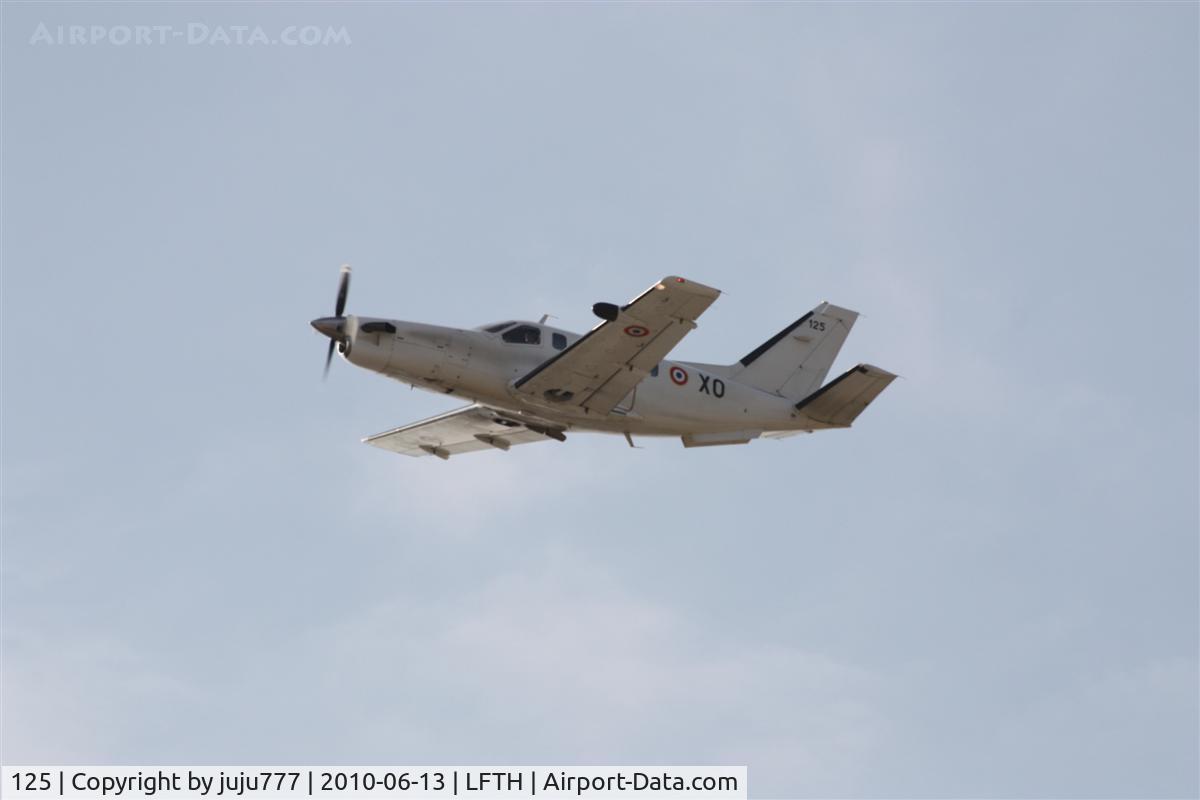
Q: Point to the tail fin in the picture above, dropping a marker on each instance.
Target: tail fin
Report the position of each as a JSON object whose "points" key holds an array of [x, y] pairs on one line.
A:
{"points": [[839, 402], [795, 361]]}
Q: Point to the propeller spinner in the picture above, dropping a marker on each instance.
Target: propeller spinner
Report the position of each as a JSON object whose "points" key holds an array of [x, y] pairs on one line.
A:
{"points": [[335, 327]]}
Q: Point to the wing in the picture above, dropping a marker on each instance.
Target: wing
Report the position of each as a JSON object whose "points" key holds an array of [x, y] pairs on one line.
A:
{"points": [[598, 370], [461, 431]]}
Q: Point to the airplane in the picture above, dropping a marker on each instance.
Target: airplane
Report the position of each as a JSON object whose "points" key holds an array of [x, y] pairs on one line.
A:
{"points": [[532, 382]]}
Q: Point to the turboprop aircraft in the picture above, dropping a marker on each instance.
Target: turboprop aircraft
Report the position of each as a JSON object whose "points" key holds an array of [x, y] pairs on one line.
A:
{"points": [[529, 381]]}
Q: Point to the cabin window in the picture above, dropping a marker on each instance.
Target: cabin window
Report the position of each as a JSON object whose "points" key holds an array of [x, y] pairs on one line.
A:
{"points": [[523, 334], [499, 326], [559, 341]]}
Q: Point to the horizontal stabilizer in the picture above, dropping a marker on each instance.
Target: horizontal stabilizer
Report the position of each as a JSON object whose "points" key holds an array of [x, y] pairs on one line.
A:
{"points": [[839, 402]]}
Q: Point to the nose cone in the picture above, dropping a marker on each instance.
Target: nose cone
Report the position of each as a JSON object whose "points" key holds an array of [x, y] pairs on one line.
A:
{"points": [[330, 326]]}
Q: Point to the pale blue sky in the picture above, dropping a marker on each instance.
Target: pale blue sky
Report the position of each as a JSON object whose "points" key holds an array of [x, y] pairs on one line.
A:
{"points": [[987, 588]]}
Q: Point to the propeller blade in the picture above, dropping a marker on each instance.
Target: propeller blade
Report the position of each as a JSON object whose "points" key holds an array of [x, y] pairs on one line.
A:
{"points": [[329, 358], [343, 290], [334, 327]]}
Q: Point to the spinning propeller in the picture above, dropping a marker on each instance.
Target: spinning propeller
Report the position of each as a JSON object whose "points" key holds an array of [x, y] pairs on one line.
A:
{"points": [[335, 327]]}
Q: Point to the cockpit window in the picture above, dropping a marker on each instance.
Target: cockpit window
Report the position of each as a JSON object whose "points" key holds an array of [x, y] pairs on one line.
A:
{"points": [[654, 371], [523, 334], [559, 341], [499, 326]]}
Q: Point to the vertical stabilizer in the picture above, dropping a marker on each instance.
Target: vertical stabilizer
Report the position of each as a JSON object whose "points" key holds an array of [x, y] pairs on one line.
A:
{"points": [[795, 361]]}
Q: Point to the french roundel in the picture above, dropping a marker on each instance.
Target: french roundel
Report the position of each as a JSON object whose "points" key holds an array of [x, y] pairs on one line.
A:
{"points": [[637, 331], [679, 376]]}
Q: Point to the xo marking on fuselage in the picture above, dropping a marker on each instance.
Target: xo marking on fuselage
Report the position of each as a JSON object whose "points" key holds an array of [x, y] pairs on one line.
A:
{"points": [[711, 385]]}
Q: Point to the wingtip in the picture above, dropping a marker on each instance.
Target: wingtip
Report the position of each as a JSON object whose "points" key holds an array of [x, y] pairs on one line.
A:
{"points": [[877, 370], [678, 282]]}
